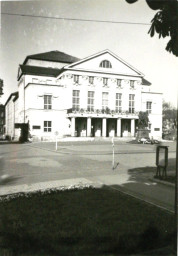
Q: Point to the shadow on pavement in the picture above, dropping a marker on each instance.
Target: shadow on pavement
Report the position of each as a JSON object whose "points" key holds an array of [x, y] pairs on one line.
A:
{"points": [[150, 171], [10, 142]]}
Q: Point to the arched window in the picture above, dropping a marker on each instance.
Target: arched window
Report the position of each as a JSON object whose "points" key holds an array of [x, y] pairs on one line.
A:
{"points": [[105, 64]]}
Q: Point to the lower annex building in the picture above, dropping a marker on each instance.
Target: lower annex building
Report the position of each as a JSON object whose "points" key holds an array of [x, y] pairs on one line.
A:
{"points": [[98, 96]]}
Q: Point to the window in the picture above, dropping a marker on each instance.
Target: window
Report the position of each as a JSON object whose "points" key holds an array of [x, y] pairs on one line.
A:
{"points": [[105, 64], [104, 100], [76, 79], [119, 82], [119, 102], [131, 103], [76, 99], [91, 79], [47, 102], [148, 107], [105, 81], [47, 126], [90, 106], [36, 127], [156, 129], [131, 83], [149, 126]]}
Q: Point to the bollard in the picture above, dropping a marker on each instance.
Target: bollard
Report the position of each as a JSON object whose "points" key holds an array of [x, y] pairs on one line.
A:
{"points": [[56, 134]]}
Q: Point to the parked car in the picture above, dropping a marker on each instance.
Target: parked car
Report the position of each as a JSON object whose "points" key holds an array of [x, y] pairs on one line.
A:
{"points": [[148, 141]]}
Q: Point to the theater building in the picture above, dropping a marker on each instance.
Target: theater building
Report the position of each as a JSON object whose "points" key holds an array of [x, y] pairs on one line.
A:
{"points": [[98, 96]]}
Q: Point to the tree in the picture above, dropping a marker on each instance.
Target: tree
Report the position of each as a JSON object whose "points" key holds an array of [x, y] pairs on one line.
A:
{"points": [[143, 120], [169, 114], [165, 21], [1, 87]]}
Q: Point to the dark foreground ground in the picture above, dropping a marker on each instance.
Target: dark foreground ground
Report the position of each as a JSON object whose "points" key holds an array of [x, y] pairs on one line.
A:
{"points": [[84, 222]]}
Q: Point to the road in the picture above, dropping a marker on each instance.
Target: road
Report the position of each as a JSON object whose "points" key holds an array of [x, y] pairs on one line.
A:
{"points": [[134, 166]]}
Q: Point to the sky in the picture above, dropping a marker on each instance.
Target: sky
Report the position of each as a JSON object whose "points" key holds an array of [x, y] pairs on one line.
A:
{"points": [[22, 36]]}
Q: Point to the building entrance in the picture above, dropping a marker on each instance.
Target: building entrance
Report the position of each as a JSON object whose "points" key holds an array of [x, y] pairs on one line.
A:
{"points": [[96, 127], [125, 127], [111, 127], [81, 127]]}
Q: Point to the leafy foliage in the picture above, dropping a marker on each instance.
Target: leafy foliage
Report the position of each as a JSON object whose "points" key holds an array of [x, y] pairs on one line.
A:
{"points": [[165, 22], [169, 112], [1, 87]]}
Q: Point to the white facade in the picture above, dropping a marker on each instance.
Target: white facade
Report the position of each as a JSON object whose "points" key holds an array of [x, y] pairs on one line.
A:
{"points": [[98, 96], [12, 116]]}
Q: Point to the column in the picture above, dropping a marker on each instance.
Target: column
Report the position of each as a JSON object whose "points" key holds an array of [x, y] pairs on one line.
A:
{"points": [[88, 126], [104, 127], [119, 127], [73, 127], [132, 127]]}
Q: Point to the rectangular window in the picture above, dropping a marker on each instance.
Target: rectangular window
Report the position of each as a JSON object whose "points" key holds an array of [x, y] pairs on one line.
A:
{"points": [[90, 103], [76, 99], [148, 107], [47, 126], [76, 78], [156, 129], [47, 102], [105, 100], [91, 79], [131, 83], [131, 103], [118, 102], [119, 82], [36, 127], [105, 81]]}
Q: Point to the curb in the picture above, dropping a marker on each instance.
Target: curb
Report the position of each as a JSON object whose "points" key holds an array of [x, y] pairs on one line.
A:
{"points": [[66, 184], [162, 182]]}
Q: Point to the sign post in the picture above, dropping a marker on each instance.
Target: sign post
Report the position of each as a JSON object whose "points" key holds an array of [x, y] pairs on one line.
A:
{"points": [[56, 134], [113, 153]]}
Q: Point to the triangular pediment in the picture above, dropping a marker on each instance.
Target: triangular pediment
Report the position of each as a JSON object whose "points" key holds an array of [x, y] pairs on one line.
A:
{"points": [[106, 62]]}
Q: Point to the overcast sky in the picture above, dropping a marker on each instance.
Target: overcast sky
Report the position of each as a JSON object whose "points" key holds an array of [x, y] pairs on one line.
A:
{"points": [[22, 36]]}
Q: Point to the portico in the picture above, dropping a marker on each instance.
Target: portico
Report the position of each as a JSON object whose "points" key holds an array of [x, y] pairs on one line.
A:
{"points": [[91, 126]]}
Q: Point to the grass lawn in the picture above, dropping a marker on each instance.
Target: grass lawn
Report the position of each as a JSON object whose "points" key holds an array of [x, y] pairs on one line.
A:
{"points": [[82, 222]]}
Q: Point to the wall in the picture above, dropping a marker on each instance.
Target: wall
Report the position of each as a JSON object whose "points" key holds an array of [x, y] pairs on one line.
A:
{"points": [[155, 117], [10, 118], [60, 124]]}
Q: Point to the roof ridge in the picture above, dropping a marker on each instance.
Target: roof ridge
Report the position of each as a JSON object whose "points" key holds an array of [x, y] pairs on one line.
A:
{"points": [[54, 55]]}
